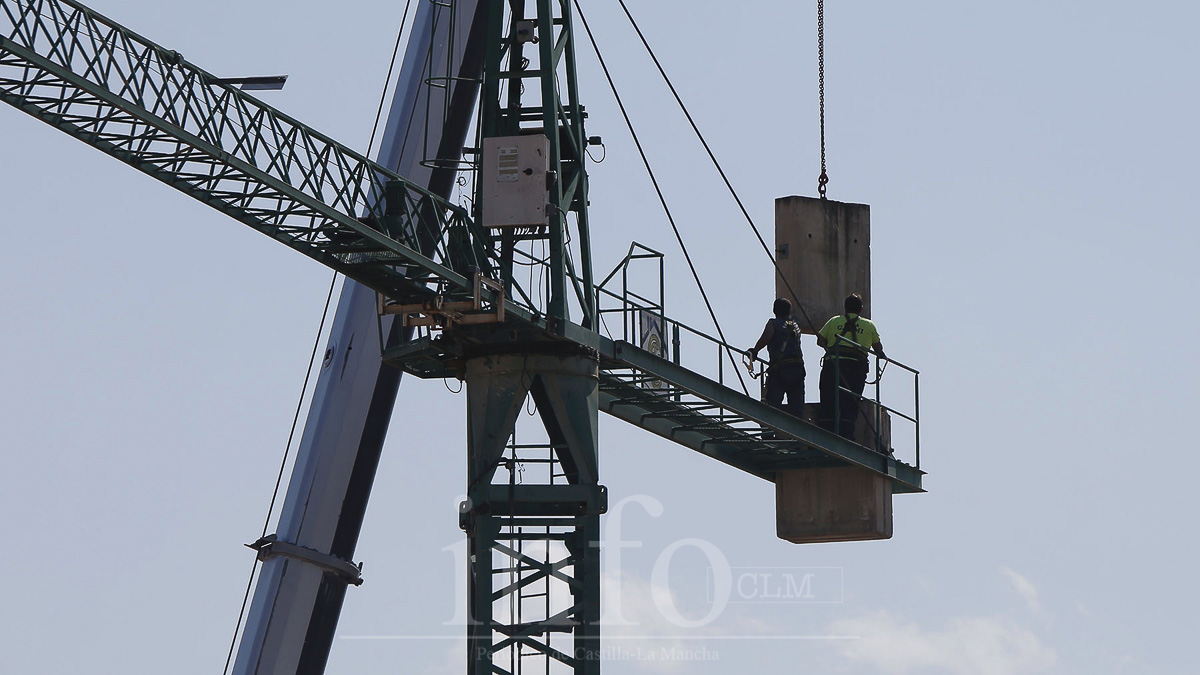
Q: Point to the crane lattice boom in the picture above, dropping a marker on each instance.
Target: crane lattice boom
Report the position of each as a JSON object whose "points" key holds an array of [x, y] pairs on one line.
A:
{"points": [[150, 108], [147, 106]]}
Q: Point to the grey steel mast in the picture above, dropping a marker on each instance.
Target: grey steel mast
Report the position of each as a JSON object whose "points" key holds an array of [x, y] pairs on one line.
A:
{"points": [[301, 586]]}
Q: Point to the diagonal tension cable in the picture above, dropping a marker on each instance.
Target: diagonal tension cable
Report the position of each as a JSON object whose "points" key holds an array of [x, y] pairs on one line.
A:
{"points": [[662, 200], [308, 373], [387, 80], [712, 157], [822, 181], [282, 465]]}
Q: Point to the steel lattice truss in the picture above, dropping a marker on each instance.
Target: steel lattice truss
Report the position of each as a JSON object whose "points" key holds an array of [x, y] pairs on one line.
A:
{"points": [[537, 598], [696, 412], [145, 105]]}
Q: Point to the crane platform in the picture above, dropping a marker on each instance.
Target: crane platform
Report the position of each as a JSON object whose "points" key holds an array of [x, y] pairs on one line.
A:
{"points": [[687, 408]]}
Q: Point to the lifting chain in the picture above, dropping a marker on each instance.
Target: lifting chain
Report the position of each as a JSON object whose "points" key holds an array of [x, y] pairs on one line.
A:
{"points": [[823, 180]]}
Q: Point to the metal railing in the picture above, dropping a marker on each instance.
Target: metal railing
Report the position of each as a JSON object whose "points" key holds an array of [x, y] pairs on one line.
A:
{"points": [[882, 445], [679, 340], [629, 305]]}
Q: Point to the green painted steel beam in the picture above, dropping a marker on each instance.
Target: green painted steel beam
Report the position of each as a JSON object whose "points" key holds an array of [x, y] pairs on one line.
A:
{"points": [[696, 412], [148, 107], [616, 355], [555, 112]]}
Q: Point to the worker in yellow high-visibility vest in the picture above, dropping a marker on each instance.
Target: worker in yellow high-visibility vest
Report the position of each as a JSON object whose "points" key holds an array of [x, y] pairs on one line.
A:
{"points": [[845, 358]]}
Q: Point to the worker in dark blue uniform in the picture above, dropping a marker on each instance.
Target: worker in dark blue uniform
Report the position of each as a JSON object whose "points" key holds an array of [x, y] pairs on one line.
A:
{"points": [[846, 339], [785, 364]]}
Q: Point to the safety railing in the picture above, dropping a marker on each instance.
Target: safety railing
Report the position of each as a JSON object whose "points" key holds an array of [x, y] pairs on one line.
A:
{"points": [[883, 444], [629, 315], [640, 319]]}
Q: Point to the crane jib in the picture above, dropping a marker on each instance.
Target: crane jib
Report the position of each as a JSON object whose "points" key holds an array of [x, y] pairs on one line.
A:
{"points": [[148, 107], [162, 115]]}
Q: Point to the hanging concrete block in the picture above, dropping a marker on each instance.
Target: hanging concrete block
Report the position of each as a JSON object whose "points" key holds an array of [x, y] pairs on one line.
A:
{"points": [[823, 249], [843, 503]]}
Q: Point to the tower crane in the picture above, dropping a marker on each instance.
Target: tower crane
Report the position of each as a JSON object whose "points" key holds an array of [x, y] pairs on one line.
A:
{"points": [[432, 292]]}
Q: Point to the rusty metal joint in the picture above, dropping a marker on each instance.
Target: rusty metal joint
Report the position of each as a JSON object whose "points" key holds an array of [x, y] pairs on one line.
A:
{"points": [[440, 313]]}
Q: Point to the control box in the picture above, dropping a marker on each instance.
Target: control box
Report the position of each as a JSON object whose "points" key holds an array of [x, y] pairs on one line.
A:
{"points": [[514, 181]]}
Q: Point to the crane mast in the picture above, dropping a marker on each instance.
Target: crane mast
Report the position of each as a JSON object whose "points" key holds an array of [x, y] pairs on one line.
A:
{"points": [[438, 281], [298, 597], [532, 56], [540, 533]]}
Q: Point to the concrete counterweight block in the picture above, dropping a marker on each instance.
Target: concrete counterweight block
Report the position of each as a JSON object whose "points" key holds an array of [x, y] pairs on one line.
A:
{"points": [[842, 503], [823, 249]]}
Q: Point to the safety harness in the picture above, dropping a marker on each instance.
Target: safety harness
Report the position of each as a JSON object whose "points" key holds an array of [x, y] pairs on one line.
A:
{"points": [[789, 347], [850, 332]]}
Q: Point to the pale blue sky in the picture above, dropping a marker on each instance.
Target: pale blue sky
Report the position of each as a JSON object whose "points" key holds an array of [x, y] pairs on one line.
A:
{"points": [[1030, 171]]}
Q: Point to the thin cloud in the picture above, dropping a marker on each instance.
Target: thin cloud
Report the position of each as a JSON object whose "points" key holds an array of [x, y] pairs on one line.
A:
{"points": [[1025, 588], [641, 637], [454, 661], [974, 645]]}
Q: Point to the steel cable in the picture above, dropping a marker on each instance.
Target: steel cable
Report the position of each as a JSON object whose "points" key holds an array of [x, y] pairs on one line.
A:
{"points": [[388, 79], [823, 179], [282, 465], [721, 171], [662, 199], [311, 360]]}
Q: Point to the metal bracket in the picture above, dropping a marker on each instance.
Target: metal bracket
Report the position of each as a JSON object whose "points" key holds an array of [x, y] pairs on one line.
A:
{"points": [[269, 547], [438, 312], [534, 500]]}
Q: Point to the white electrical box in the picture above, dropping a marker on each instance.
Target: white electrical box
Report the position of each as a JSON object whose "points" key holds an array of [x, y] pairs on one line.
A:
{"points": [[514, 181]]}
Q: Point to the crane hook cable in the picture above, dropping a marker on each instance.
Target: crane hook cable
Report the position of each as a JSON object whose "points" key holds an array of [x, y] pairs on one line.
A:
{"points": [[822, 182], [654, 180], [721, 171], [311, 360], [823, 179]]}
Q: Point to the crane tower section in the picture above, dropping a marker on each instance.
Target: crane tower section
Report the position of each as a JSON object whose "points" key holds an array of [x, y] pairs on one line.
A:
{"points": [[390, 227]]}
